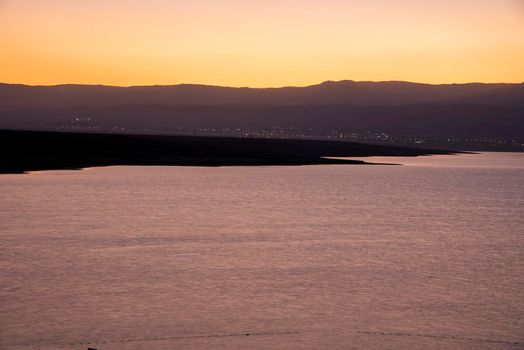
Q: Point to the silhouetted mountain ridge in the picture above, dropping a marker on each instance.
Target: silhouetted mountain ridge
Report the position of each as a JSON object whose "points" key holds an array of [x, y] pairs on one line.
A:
{"points": [[346, 92]]}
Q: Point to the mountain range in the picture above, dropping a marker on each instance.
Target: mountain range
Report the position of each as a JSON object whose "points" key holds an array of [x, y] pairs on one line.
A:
{"points": [[347, 92], [458, 116]]}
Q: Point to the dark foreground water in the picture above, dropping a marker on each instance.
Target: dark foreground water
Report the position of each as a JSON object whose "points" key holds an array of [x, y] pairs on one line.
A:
{"points": [[423, 256]]}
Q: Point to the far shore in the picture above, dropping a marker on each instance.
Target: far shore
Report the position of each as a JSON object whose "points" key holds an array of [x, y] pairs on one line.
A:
{"points": [[25, 151]]}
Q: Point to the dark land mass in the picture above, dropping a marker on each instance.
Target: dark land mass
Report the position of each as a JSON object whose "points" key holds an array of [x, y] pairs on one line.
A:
{"points": [[346, 92], [23, 151], [483, 117], [501, 127]]}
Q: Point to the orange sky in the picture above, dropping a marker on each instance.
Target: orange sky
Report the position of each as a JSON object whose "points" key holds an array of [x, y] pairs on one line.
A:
{"points": [[260, 43]]}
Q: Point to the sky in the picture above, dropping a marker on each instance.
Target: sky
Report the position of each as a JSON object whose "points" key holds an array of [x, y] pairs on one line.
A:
{"points": [[264, 43]]}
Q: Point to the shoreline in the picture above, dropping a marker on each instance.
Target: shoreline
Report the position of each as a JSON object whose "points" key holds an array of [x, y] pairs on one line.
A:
{"points": [[26, 151]]}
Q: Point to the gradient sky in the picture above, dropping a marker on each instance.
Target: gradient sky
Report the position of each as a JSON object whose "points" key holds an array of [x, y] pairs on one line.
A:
{"points": [[260, 43]]}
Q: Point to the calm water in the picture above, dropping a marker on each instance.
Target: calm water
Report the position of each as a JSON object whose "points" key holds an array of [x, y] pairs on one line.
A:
{"points": [[424, 256]]}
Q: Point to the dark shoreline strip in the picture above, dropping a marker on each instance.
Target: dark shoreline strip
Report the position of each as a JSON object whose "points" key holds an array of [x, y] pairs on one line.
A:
{"points": [[23, 151]]}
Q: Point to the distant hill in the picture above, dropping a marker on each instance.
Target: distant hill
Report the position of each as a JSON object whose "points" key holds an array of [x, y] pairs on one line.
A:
{"points": [[457, 116], [391, 93]]}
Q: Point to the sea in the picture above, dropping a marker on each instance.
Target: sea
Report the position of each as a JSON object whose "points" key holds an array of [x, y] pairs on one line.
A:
{"points": [[426, 254]]}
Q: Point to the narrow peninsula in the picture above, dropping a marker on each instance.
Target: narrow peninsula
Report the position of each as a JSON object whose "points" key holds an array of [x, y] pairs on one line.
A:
{"points": [[23, 151]]}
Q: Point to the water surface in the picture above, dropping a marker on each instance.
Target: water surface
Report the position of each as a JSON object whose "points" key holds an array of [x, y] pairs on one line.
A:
{"points": [[423, 256]]}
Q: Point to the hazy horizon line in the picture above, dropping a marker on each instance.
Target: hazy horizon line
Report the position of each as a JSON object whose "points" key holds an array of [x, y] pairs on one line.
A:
{"points": [[266, 87]]}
